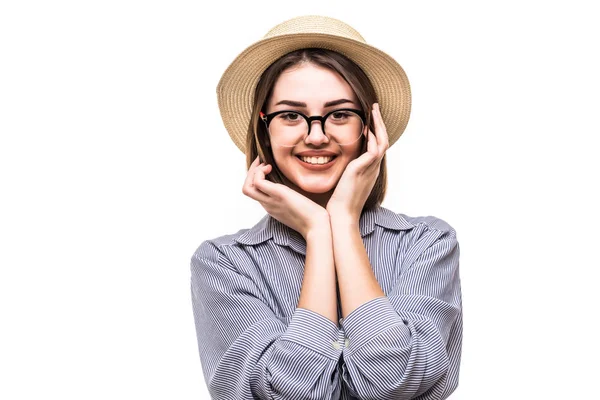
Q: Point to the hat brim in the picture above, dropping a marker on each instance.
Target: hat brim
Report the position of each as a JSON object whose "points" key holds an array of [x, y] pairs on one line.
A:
{"points": [[235, 91]]}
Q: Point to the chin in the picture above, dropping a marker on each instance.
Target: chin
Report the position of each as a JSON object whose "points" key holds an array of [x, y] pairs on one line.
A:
{"points": [[317, 189], [318, 185]]}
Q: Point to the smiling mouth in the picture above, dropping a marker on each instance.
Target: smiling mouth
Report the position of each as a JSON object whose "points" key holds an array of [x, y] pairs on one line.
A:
{"points": [[317, 160]]}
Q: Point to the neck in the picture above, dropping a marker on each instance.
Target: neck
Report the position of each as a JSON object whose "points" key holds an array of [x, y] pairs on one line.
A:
{"points": [[320, 198]]}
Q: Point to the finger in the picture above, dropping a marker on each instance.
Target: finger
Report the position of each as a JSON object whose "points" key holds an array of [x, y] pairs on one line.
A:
{"points": [[361, 164], [258, 174], [261, 170], [380, 131], [259, 196], [250, 174], [274, 190], [252, 191], [248, 187], [372, 155], [267, 187], [372, 145], [259, 179], [367, 158], [267, 169], [255, 162]]}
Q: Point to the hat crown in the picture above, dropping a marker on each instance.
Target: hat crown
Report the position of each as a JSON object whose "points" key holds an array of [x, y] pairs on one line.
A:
{"points": [[315, 24]]}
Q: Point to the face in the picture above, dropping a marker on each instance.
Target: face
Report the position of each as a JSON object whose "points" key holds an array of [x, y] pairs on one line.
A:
{"points": [[314, 87]]}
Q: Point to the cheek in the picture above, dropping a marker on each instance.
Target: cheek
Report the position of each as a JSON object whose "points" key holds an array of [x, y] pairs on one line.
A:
{"points": [[286, 162], [355, 152], [280, 158]]}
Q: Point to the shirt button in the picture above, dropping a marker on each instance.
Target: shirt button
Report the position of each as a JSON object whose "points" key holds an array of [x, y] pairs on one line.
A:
{"points": [[336, 345], [347, 342]]}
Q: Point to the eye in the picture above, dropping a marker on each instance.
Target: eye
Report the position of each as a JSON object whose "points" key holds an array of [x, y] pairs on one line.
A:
{"points": [[289, 116], [340, 115]]}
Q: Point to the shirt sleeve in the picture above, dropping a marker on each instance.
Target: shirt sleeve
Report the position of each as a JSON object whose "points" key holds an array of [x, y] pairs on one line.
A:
{"points": [[407, 345], [246, 351]]}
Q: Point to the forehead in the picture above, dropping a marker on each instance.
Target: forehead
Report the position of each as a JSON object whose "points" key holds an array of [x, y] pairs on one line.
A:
{"points": [[311, 84]]}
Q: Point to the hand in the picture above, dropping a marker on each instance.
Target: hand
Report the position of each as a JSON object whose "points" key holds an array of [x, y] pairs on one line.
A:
{"points": [[282, 203], [358, 179]]}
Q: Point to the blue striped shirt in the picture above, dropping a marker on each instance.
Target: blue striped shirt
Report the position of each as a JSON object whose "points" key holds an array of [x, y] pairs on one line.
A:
{"points": [[255, 343]]}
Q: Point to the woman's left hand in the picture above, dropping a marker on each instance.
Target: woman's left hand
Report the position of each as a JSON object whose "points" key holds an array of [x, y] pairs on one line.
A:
{"points": [[360, 174]]}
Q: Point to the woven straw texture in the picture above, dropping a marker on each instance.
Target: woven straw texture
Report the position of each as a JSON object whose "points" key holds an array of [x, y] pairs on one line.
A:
{"points": [[235, 90]]}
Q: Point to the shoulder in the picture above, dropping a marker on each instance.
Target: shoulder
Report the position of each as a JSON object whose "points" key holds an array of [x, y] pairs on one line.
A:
{"points": [[415, 224], [213, 249], [226, 246], [432, 223], [417, 233]]}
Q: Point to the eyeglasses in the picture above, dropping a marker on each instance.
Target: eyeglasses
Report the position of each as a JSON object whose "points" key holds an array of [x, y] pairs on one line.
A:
{"points": [[287, 127]]}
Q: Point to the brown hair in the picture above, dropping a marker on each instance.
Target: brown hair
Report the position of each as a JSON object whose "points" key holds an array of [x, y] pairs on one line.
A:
{"points": [[257, 138]]}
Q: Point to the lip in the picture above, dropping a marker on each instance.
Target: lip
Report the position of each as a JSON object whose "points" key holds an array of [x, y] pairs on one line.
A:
{"points": [[314, 167], [315, 153]]}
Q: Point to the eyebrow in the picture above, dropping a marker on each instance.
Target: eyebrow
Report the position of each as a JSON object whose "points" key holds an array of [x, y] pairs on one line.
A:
{"points": [[301, 104]]}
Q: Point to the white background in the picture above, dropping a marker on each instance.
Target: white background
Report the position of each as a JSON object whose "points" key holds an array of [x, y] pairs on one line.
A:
{"points": [[115, 166]]}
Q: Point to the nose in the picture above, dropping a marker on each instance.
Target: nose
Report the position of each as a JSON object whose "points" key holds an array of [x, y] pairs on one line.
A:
{"points": [[316, 136]]}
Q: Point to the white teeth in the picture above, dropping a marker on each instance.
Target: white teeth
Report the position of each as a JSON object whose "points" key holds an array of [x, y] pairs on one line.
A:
{"points": [[316, 160]]}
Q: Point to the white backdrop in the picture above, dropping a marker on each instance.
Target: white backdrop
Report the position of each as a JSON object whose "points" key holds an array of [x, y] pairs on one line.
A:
{"points": [[115, 166]]}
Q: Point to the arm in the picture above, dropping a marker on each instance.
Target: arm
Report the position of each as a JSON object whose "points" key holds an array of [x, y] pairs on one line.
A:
{"points": [[407, 344], [319, 292], [353, 268], [246, 351]]}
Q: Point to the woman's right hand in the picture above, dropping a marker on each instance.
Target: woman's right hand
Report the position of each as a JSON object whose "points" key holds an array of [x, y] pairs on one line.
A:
{"points": [[282, 203]]}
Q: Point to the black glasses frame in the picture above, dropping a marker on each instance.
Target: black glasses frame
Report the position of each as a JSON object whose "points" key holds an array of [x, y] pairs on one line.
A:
{"points": [[267, 118]]}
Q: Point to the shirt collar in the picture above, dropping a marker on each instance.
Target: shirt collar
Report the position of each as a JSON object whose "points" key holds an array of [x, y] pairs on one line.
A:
{"points": [[270, 228]]}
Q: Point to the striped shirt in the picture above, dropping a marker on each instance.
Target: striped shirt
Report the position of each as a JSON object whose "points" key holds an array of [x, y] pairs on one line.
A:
{"points": [[255, 343]]}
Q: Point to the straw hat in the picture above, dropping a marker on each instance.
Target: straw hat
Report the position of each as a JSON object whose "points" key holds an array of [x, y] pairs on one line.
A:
{"points": [[235, 91]]}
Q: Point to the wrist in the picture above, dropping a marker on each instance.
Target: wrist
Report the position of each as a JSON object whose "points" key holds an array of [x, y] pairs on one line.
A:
{"points": [[344, 223], [320, 226], [343, 218]]}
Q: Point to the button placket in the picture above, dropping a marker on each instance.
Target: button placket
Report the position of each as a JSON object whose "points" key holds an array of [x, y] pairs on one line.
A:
{"points": [[337, 345], [342, 336]]}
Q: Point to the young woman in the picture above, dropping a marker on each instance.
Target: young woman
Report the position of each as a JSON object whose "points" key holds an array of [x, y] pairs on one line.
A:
{"points": [[330, 295]]}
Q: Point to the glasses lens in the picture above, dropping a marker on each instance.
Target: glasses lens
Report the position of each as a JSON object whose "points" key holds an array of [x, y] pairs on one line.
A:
{"points": [[345, 127], [288, 128]]}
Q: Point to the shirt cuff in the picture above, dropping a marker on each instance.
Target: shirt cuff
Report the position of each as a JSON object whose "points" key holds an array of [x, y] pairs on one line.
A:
{"points": [[314, 331], [368, 320]]}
